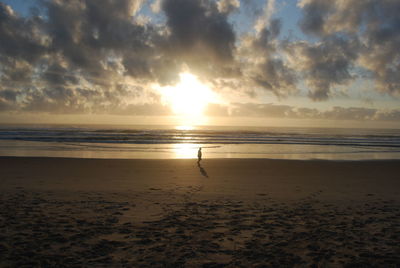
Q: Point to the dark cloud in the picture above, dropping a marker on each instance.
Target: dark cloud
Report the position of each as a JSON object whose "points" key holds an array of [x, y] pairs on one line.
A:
{"points": [[73, 59], [375, 23], [15, 71], [265, 66], [53, 100], [8, 95], [20, 37], [266, 40], [95, 44], [84, 56], [99, 30], [57, 74], [325, 64], [314, 16], [275, 76], [198, 29], [22, 43]]}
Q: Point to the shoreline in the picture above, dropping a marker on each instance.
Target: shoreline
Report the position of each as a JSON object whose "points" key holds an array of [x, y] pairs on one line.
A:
{"points": [[116, 150], [195, 159]]}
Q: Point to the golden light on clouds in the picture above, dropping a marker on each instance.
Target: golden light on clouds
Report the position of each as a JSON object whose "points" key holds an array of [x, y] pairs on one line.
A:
{"points": [[248, 66]]}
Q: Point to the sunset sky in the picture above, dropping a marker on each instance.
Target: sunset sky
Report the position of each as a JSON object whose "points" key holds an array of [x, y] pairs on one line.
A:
{"points": [[256, 62]]}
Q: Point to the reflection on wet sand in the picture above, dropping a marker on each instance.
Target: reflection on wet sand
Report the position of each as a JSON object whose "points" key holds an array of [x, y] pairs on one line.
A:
{"points": [[185, 150]]}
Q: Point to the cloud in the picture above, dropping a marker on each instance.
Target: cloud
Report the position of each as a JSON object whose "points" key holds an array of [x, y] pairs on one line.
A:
{"points": [[20, 37], [315, 13], [264, 110], [214, 109], [148, 109], [72, 59], [93, 45], [375, 23], [99, 31], [263, 64], [324, 64], [95, 56], [198, 30], [271, 110], [391, 115], [352, 113], [228, 6], [266, 17], [156, 6]]}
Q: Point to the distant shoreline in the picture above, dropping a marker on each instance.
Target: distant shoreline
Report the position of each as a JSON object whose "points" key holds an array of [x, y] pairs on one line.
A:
{"points": [[194, 159]]}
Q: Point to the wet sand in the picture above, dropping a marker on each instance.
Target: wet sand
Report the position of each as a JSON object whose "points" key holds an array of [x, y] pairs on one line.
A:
{"points": [[174, 213]]}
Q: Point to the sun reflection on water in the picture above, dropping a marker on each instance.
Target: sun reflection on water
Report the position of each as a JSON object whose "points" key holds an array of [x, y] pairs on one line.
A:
{"points": [[185, 127]]}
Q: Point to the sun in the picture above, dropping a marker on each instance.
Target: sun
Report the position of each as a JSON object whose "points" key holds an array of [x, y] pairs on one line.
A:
{"points": [[189, 97]]}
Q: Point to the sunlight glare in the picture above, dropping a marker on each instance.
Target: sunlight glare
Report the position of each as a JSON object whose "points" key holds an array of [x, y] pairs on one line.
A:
{"points": [[185, 127], [189, 97], [185, 150]]}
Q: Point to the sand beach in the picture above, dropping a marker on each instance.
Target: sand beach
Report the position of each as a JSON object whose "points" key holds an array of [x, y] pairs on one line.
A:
{"points": [[60, 212]]}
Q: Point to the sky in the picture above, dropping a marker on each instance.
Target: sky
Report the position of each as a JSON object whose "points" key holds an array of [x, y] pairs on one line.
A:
{"points": [[259, 62]]}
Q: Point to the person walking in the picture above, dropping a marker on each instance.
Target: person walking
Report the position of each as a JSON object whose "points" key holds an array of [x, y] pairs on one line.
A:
{"points": [[199, 154]]}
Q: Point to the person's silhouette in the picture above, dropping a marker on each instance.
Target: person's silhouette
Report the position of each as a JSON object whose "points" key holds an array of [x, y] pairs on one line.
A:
{"points": [[199, 154]]}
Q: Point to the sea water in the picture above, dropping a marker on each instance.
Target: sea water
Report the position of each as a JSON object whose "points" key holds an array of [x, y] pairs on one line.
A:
{"points": [[160, 142]]}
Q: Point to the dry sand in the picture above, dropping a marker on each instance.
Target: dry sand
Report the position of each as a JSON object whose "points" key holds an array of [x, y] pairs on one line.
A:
{"points": [[58, 212]]}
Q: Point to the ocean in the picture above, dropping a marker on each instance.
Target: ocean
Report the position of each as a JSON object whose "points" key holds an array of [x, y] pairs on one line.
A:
{"points": [[166, 142]]}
